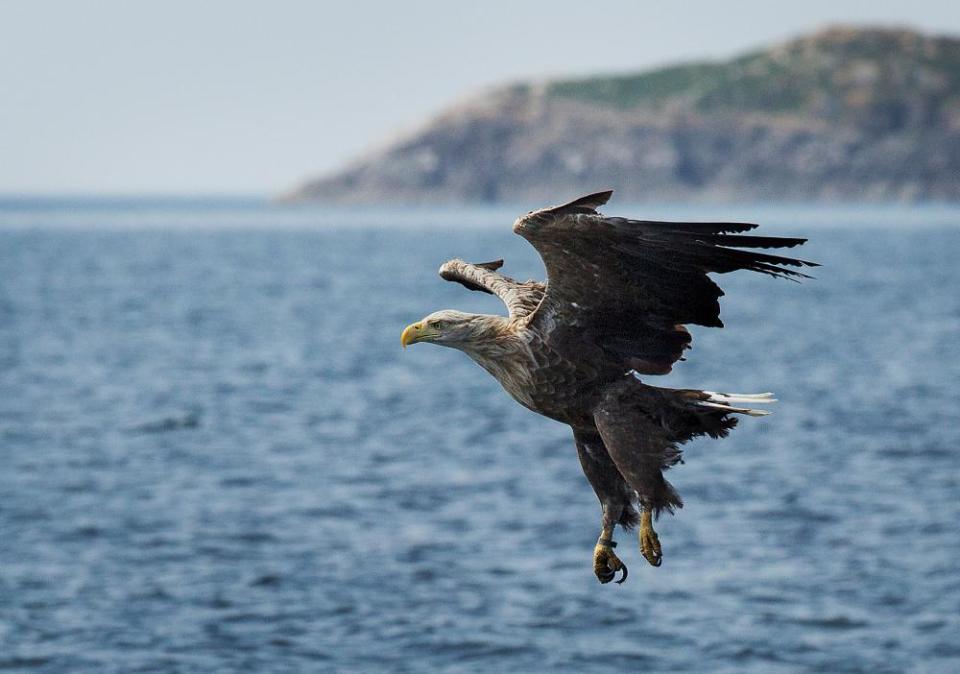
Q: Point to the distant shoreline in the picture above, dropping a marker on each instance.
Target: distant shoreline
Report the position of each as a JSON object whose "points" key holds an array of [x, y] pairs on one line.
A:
{"points": [[864, 111], [219, 214]]}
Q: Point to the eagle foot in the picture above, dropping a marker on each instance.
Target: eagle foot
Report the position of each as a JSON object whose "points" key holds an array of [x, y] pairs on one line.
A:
{"points": [[649, 541], [606, 563]]}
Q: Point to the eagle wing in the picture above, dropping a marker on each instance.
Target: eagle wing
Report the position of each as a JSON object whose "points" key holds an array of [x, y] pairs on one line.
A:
{"points": [[521, 298], [631, 285]]}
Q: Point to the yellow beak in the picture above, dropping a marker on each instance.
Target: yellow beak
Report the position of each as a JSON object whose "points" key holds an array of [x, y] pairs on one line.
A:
{"points": [[411, 334]]}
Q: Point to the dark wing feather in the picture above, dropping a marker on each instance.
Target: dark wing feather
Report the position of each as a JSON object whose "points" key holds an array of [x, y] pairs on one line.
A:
{"points": [[633, 284], [643, 427], [638, 444], [520, 298]]}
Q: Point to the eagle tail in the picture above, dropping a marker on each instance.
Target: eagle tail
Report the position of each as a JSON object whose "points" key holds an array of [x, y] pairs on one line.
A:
{"points": [[725, 402]]}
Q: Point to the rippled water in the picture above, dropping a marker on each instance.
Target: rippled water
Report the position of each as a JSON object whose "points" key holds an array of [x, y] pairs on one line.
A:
{"points": [[216, 457]]}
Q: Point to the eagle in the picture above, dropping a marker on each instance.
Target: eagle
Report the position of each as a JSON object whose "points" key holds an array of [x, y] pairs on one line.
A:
{"points": [[614, 307]]}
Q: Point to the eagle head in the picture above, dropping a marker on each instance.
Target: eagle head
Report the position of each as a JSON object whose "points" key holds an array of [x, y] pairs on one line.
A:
{"points": [[450, 328]]}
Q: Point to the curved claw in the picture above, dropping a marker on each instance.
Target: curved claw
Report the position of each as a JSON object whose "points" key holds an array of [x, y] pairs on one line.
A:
{"points": [[623, 567], [651, 552], [606, 564]]}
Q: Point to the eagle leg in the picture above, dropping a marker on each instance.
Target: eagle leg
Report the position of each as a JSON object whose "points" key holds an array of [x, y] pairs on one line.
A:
{"points": [[649, 541], [605, 561], [615, 496]]}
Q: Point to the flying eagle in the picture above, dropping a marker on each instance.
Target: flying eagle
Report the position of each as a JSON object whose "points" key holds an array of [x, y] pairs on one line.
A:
{"points": [[617, 296]]}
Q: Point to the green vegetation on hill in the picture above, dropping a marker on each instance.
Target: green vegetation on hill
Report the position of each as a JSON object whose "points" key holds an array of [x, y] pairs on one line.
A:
{"points": [[834, 74], [630, 91]]}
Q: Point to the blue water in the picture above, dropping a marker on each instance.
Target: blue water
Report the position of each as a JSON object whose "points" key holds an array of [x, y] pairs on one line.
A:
{"points": [[216, 456]]}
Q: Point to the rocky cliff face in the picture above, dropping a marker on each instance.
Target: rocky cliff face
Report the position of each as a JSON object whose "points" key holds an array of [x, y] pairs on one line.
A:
{"points": [[842, 115]]}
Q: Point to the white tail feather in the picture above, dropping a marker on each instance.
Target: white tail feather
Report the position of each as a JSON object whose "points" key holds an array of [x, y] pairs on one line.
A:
{"points": [[735, 410], [752, 398], [722, 401]]}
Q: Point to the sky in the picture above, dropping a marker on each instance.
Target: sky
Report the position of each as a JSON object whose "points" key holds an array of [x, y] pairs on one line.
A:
{"points": [[234, 98]]}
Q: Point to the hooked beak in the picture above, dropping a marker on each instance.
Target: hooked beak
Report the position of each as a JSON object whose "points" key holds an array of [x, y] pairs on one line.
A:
{"points": [[414, 333]]}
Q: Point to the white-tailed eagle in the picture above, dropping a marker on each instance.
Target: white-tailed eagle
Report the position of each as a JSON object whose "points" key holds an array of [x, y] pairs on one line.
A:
{"points": [[617, 296]]}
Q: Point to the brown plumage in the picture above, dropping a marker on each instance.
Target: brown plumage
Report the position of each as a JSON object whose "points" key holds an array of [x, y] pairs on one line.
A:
{"points": [[617, 297]]}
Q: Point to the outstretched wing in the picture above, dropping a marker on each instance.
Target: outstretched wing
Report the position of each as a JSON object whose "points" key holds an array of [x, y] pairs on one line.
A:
{"points": [[631, 285], [521, 298]]}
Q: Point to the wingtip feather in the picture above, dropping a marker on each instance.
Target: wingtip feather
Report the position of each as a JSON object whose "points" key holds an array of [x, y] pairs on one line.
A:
{"points": [[592, 201]]}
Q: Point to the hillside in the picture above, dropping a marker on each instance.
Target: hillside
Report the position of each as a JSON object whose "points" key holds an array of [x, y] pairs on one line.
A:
{"points": [[846, 114]]}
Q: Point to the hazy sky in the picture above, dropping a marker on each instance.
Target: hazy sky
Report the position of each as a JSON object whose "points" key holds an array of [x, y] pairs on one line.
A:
{"points": [[251, 97]]}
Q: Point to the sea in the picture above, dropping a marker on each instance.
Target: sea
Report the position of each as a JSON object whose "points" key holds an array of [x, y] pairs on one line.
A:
{"points": [[216, 457]]}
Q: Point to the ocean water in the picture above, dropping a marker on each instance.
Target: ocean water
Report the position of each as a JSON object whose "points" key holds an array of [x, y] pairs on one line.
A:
{"points": [[217, 458]]}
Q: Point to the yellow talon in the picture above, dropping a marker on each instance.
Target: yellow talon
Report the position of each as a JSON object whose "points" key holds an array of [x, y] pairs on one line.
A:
{"points": [[649, 541], [606, 564]]}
